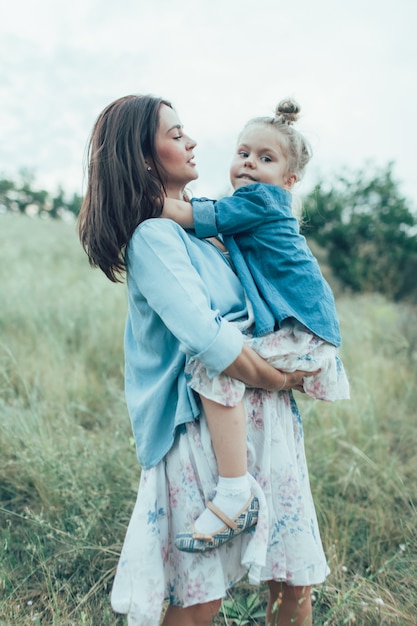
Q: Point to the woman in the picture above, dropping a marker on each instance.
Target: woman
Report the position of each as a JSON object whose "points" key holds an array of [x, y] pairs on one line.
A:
{"points": [[182, 298]]}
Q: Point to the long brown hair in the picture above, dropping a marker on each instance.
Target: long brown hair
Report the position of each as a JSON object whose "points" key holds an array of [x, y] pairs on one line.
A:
{"points": [[121, 192]]}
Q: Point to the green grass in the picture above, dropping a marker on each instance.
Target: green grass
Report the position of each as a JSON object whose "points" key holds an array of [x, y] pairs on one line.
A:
{"points": [[68, 469]]}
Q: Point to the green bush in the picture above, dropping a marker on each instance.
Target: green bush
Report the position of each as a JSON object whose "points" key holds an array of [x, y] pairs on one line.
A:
{"points": [[368, 231]]}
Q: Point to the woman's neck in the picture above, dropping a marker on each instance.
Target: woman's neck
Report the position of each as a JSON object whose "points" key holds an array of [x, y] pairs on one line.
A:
{"points": [[176, 193]]}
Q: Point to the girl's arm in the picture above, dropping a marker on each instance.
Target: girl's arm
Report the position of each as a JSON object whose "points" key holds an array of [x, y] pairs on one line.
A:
{"points": [[179, 211], [229, 215], [249, 208]]}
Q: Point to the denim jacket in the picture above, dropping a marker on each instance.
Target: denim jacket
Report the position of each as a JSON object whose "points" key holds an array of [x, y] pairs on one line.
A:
{"points": [[182, 296], [279, 273]]}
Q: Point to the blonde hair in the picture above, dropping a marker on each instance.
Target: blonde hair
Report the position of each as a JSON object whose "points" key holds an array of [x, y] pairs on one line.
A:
{"points": [[295, 146]]}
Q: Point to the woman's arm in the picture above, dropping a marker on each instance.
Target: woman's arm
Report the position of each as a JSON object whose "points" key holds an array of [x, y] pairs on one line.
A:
{"points": [[175, 291], [253, 370], [190, 288]]}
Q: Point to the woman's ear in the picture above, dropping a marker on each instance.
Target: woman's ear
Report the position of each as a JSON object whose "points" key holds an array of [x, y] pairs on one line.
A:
{"points": [[149, 163]]}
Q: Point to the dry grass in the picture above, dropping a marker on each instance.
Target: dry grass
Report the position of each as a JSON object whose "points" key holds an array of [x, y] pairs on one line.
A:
{"points": [[69, 472]]}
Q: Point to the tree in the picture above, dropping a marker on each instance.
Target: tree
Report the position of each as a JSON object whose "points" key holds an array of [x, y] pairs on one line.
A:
{"points": [[74, 204], [368, 231], [22, 197], [7, 188]]}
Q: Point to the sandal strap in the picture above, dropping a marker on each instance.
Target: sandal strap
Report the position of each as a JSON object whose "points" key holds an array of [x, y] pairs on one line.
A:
{"points": [[214, 509]]}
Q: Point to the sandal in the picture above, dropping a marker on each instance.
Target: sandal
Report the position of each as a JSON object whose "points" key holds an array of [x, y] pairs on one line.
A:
{"points": [[194, 541]]}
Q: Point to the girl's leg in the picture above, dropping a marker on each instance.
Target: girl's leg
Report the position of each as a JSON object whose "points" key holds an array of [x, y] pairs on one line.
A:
{"points": [[288, 606], [227, 427], [197, 615]]}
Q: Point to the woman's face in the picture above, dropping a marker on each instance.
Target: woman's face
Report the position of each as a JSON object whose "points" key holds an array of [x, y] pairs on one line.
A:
{"points": [[175, 151]]}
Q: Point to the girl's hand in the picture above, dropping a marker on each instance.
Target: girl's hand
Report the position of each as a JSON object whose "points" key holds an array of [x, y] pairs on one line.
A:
{"points": [[179, 211]]}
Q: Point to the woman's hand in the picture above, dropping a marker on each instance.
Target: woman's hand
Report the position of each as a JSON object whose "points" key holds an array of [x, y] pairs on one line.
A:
{"points": [[255, 371], [295, 380]]}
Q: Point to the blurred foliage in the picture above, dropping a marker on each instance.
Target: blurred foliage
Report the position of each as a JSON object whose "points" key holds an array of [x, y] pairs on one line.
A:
{"points": [[368, 231], [21, 196]]}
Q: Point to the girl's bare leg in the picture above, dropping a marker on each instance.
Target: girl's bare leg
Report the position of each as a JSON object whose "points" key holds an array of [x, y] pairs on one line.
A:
{"points": [[197, 615], [227, 426], [288, 606]]}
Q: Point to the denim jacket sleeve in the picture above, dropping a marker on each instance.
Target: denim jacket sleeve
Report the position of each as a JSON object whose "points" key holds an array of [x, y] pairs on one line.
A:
{"points": [[204, 215], [247, 209]]}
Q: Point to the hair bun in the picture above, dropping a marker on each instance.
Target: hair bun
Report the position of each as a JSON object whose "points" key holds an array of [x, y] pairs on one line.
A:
{"points": [[287, 111]]}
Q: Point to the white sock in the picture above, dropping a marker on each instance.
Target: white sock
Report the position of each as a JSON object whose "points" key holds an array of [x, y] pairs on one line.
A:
{"points": [[231, 496]]}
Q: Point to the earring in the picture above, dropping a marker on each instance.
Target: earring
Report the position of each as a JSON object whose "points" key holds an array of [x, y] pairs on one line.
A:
{"points": [[149, 169]]}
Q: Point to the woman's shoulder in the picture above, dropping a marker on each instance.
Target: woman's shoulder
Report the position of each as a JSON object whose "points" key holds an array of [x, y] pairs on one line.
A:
{"points": [[155, 241], [159, 238], [158, 229], [157, 225]]}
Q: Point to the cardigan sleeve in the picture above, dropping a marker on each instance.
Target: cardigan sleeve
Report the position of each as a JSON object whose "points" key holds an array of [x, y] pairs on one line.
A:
{"points": [[161, 266]]}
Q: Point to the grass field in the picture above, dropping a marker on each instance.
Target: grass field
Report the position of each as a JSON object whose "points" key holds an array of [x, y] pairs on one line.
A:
{"points": [[68, 469]]}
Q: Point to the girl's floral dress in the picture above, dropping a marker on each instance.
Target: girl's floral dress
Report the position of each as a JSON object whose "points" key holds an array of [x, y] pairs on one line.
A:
{"points": [[285, 545], [292, 347]]}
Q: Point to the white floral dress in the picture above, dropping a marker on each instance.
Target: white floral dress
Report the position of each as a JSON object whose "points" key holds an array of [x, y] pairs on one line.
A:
{"points": [[285, 545], [292, 347]]}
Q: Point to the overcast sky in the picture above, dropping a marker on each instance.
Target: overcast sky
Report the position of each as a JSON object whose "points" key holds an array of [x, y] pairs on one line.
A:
{"points": [[351, 64]]}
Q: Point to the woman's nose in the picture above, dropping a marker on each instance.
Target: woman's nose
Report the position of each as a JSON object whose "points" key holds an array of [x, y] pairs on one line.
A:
{"points": [[191, 143]]}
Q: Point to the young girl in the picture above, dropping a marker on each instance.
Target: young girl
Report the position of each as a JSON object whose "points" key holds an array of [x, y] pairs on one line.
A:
{"points": [[284, 285]]}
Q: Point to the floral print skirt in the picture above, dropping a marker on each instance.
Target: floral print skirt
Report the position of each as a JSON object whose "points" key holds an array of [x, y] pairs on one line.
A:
{"points": [[285, 544], [292, 347]]}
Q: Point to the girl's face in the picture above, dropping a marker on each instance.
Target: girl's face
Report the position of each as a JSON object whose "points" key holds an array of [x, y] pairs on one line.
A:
{"points": [[259, 158], [175, 151]]}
